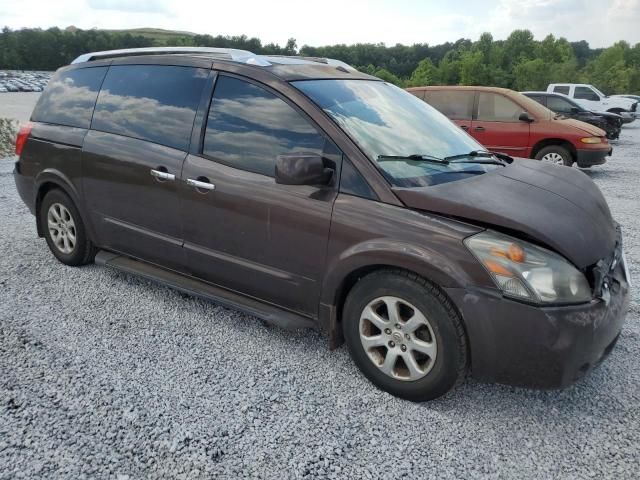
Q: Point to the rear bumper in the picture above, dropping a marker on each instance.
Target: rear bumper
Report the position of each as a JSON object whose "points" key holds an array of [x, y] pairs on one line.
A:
{"points": [[529, 346], [587, 158], [26, 188]]}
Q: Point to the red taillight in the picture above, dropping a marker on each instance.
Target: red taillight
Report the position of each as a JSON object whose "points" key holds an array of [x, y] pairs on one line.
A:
{"points": [[21, 139]]}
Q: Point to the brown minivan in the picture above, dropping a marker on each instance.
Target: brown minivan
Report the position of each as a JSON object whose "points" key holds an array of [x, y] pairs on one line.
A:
{"points": [[311, 195]]}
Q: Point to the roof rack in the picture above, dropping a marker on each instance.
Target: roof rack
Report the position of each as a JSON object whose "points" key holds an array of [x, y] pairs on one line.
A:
{"points": [[242, 56], [326, 61]]}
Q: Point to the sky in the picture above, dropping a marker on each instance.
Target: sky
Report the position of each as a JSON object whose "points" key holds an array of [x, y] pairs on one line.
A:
{"points": [[326, 22]]}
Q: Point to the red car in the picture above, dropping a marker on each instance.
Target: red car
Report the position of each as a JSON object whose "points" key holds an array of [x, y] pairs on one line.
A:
{"points": [[508, 122]]}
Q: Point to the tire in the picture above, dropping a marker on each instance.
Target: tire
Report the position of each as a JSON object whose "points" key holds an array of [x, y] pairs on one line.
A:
{"points": [[77, 249], [555, 154], [443, 336]]}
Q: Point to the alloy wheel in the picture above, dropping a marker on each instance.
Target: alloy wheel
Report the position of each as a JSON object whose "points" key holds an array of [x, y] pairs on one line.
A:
{"points": [[62, 228], [398, 338]]}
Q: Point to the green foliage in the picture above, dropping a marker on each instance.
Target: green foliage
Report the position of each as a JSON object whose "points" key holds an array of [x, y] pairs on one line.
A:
{"points": [[426, 73], [518, 62], [387, 76], [8, 131]]}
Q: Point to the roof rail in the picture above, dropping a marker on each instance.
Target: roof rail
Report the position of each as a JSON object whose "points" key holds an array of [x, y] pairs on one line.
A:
{"points": [[326, 61], [243, 56]]}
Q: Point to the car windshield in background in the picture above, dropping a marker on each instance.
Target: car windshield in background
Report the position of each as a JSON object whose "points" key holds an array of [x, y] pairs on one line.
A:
{"points": [[387, 122]]}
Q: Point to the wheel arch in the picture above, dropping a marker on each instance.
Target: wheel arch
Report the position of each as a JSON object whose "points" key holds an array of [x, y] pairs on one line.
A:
{"points": [[51, 179], [561, 142], [341, 281]]}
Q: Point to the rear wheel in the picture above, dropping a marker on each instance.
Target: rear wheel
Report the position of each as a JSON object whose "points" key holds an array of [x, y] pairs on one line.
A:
{"points": [[555, 154], [64, 229], [404, 335]]}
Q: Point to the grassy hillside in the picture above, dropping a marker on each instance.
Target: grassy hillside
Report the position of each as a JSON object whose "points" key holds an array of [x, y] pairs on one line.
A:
{"points": [[158, 35]]}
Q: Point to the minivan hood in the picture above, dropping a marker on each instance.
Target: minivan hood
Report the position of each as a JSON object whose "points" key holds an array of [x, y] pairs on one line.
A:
{"points": [[585, 127], [559, 207]]}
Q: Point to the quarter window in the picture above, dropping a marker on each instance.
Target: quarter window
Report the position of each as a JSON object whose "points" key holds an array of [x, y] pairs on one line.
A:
{"points": [[156, 103], [248, 127], [564, 89], [585, 93], [70, 97], [457, 105], [497, 108]]}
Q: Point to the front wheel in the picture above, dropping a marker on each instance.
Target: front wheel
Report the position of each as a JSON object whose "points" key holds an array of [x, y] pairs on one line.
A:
{"points": [[405, 335], [556, 155]]}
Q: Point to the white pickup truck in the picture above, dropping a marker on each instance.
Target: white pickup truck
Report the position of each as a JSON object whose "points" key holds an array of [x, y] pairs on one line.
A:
{"points": [[593, 99]]}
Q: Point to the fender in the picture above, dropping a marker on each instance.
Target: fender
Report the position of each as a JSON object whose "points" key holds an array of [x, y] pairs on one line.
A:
{"points": [[62, 181], [439, 267]]}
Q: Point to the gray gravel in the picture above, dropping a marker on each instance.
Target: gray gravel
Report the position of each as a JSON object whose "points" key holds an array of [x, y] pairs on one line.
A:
{"points": [[105, 375]]}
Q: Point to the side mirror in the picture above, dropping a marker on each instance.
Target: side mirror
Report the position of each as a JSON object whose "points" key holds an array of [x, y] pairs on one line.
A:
{"points": [[575, 110], [525, 117], [302, 169]]}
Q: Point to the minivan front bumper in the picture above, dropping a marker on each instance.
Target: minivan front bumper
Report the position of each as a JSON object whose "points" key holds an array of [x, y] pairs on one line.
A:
{"points": [[540, 347], [590, 157]]}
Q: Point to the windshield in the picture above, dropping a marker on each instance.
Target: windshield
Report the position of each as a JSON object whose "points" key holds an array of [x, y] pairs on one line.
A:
{"points": [[385, 121], [598, 92]]}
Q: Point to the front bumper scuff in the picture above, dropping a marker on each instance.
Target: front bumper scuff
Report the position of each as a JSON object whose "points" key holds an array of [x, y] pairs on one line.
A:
{"points": [[540, 347]]}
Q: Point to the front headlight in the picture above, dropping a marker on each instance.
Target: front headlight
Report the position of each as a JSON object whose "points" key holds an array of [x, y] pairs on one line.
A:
{"points": [[528, 272], [591, 140]]}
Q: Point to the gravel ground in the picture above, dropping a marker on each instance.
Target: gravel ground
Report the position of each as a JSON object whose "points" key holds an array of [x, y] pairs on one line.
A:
{"points": [[105, 375]]}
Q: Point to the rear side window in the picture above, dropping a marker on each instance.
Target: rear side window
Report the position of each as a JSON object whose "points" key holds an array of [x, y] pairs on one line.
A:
{"points": [[156, 103], [538, 98], [558, 104], [564, 89], [585, 93], [70, 97], [493, 107], [248, 127], [457, 105]]}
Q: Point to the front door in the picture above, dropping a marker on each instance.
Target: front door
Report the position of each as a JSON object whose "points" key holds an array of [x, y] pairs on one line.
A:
{"points": [[243, 231], [496, 125], [133, 156]]}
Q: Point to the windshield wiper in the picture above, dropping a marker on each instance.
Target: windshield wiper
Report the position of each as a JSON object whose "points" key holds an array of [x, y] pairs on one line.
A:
{"points": [[476, 155], [415, 157]]}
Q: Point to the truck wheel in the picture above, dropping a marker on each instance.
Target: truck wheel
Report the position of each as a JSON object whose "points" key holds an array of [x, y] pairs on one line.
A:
{"points": [[404, 335], [64, 230], [555, 154]]}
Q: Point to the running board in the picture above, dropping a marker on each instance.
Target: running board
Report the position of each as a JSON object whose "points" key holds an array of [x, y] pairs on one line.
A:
{"points": [[191, 286]]}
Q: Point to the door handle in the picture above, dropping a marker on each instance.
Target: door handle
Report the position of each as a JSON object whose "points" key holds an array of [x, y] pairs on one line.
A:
{"points": [[160, 175], [200, 185], [479, 129], [464, 127]]}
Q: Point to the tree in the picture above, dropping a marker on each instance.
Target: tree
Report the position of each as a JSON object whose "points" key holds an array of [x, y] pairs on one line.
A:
{"points": [[425, 74]]}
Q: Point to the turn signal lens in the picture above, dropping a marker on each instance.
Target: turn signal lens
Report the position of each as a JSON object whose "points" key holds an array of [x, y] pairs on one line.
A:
{"points": [[591, 140], [514, 252], [495, 267]]}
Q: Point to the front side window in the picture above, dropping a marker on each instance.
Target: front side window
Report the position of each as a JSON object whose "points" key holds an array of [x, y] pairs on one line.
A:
{"points": [[70, 97], [156, 103], [564, 89], [248, 127], [493, 107], [385, 120], [559, 105], [455, 104], [585, 93]]}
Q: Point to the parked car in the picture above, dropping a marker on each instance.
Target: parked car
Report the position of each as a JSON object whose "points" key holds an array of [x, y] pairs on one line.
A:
{"points": [[508, 122], [309, 194], [593, 99], [563, 105]]}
